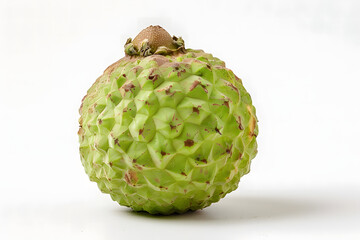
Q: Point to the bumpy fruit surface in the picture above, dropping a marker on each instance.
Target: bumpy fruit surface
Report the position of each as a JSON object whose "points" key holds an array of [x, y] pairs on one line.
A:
{"points": [[167, 129]]}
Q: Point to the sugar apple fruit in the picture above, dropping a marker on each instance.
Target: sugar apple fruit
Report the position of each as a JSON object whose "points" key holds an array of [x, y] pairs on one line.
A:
{"points": [[167, 129]]}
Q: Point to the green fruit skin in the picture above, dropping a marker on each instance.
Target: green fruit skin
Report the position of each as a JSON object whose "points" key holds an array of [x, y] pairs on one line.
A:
{"points": [[167, 134]]}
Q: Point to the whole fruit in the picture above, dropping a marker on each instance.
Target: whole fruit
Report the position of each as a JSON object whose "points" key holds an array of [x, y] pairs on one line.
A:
{"points": [[167, 129]]}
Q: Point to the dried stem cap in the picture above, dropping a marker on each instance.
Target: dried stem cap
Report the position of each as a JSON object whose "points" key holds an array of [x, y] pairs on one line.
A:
{"points": [[154, 40], [157, 37]]}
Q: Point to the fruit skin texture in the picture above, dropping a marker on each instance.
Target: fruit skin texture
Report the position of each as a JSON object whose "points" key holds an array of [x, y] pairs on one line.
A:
{"points": [[167, 134]]}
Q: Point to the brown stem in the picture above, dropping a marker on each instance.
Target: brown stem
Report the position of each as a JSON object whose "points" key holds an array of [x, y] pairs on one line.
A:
{"points": [[153, 40]]}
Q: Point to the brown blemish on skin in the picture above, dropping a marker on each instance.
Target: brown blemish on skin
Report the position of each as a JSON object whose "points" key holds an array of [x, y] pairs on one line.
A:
{"points": [[172, 127], [252, 133], [196, 110], [195, 84], [159, 59], [131, 177], [203, 160], [128, 87], [226, 103], [184, 174], [100, 121], [232, 86], [218, 131], [252, 124], [185, 190], [111, 164], [192, 60], [134, 160], [153, 78], [240, 124], [125, 109], [81, 131], [237, 78], [157, 180], [141, 132], [207, 182], [189, 143], [152, 71], [167, 90], [138, 167], [82, 102], [205, 89], [163, 153], [176, 66], [180, 72], [135, 69], [228, 151]]}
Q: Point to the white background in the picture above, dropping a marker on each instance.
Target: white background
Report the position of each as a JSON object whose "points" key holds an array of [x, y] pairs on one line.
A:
{"points": [[298, 59]]}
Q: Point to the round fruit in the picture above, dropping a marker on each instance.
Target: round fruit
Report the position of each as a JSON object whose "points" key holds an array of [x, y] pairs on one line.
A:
{"points": [[167, 129]]}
